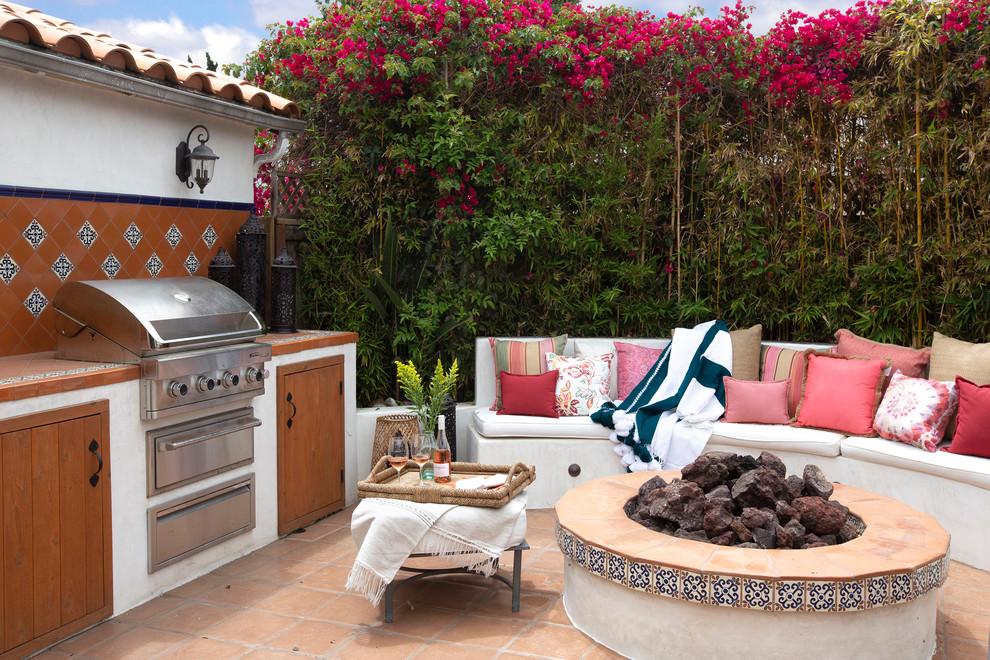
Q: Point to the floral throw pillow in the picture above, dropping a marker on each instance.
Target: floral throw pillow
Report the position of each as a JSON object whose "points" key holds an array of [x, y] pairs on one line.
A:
{"points": [[582, 382], [915, 411]]}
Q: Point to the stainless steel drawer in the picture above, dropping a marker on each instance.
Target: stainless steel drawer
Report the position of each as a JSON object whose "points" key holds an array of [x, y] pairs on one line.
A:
{"points": [[194, 450], [179, 529]]}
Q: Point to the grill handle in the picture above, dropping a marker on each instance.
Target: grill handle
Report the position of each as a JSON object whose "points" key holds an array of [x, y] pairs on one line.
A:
{"points": [[241, 424]]}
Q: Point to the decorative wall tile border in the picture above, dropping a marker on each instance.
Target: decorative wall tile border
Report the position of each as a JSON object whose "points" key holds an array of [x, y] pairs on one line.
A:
{"points": [[56, 374], [116, 198], [754, 593]]}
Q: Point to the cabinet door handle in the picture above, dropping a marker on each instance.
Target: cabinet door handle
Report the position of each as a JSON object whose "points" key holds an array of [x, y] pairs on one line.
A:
{"points": [[288, 422], [95, 477]]}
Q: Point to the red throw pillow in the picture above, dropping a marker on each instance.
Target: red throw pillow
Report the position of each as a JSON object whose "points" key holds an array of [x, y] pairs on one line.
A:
{"points": [[534, 395], [911, 362], [972, 435], [756, 402], [840, 394]]}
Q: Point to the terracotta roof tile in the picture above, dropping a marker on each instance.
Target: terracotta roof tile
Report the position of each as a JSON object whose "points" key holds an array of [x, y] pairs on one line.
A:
{"points": [[30, 26]]}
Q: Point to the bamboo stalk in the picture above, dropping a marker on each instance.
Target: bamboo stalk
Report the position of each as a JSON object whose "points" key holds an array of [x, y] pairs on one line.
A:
{"points": [[917, 183]]}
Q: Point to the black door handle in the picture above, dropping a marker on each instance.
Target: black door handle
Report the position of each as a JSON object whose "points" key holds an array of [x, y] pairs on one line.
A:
{"points": [[95, 477], [288, 422]]}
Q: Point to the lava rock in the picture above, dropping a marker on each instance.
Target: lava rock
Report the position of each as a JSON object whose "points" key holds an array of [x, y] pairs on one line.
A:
{"points": [[741, 531], [759, 487], [815, 483], [757, 518], [727, 537], [683, 504], [794, 486], [749, 544], [785, 512], [718, 516], [828, 539], [840, 507], [719, 491], [817, 516], [772, 462], [797, 531], [655, 483], [705, 472], [692, 535], [784, 537], [652, 496], [765, 538]]}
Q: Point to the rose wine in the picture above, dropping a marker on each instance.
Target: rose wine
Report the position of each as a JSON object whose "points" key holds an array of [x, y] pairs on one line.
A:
{"points": [[421, 459], [441, 455], [398, 462]]}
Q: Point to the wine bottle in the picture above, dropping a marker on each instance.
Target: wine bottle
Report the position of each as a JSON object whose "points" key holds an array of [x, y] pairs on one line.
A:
{"points": [[441, 455]]}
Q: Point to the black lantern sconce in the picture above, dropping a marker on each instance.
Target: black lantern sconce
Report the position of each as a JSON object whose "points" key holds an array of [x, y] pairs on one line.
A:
{"points": [[198, 163]]}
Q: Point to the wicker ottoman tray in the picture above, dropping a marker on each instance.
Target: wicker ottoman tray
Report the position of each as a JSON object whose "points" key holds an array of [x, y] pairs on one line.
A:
{"points": [[384, 482]]}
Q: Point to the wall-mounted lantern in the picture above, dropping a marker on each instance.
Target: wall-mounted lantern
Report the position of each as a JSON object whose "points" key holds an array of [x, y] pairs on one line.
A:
{"points": [[197, 163]]}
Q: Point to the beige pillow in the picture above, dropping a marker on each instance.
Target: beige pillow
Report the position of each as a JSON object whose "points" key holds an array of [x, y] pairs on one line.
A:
{"points": [[746, 352], [953, 357]]}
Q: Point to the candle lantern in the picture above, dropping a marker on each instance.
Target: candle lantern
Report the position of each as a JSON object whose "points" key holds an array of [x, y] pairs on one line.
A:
{"points": [[251, 247], [283, 294], [222, 269]]}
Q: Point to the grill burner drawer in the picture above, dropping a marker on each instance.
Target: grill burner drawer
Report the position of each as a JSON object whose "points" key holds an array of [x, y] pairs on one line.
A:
{"points": [[194, 450]]}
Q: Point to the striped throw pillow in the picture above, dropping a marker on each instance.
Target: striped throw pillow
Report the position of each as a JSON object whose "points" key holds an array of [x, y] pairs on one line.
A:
{"points": [[527, 358], [786, 363]]}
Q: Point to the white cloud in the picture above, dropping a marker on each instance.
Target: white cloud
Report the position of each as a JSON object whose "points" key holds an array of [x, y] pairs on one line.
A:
{"points": [[227, 44], [267, 12]]}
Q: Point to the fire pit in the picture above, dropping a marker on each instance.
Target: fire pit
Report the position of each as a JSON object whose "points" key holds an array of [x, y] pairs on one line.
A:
{"points": [[643, 593]]}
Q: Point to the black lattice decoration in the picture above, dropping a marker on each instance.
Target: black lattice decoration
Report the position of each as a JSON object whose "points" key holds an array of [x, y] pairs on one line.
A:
{"points": [[222, 269], [251, 251], [283, 294]]}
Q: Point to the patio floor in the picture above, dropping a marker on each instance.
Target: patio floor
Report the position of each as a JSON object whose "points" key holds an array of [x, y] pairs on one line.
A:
{"points": [[287, 600]]}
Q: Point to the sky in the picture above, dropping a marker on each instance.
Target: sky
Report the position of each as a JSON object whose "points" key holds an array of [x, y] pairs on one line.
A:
{"points": [[230, 29]]}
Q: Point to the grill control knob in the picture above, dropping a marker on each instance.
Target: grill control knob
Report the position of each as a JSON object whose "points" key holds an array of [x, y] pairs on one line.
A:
{"points": [[177, 389], [253, 375], [204, 384], [230, 380]]}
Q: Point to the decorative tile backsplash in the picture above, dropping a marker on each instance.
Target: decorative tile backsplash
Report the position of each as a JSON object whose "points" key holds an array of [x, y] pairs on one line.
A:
{"points": [[46, 242]]}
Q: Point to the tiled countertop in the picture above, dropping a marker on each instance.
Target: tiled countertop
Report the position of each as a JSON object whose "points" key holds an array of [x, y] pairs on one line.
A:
{"points": [[37, 374]]}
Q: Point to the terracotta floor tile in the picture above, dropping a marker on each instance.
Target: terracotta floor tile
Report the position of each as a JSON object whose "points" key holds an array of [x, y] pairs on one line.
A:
{"points": [[547, 582], [199, 586], [270, 654], [499, 603], [966, 600], [294, 601], [446, 594], [324, 550], [964, 649], [353, 610], [485, 631], [553, 641], [423, 622], [282, 571], [93, 637], [541, 538], [252, 627], [541, 519], [346, 559], [445, 651], [380, 646], [240, 593], [599, 652], [550, 559], [138, 643], [280, 547], [313, 637], [968, 625], [192, 617], [312, 533], [242, 566], [331, 578], [969, 577], [51, 655], [556, 613], [206, 649]]}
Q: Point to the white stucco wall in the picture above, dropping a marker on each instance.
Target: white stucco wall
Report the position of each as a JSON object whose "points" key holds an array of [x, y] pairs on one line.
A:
{"points": [[67, 135]]}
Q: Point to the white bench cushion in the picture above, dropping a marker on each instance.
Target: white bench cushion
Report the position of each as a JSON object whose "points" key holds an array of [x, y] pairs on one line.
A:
{"points": [[972, 470], [775, 437], [492, 425]]}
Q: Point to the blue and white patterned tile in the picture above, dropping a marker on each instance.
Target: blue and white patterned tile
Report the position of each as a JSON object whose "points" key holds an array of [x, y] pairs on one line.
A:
{"points": [[580, 551], [209, 236], [36, 302], [877, 590], [173, 236], [616, 568], [596, 561], [789, 596], [726, 590], [133, 235], [86, 234], [852, 595], [640, 576], [693, 587], [191, 263], [110, 266], [938, 575], [900, 589], [35, 234], [821, 596], [154, 265], [756, 594], [62, 267], [665, 581], [8, 268]]}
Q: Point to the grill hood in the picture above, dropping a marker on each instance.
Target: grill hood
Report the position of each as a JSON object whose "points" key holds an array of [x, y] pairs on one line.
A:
{"points": [[126, 320]]}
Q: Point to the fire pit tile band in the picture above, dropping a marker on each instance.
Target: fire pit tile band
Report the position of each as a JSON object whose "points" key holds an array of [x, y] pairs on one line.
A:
{"points": [[594, 533]]}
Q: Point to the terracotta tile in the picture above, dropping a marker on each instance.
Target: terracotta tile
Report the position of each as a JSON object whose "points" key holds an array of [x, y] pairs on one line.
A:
{"points": [[896, 514], [197, 587], [541, 538], [331, 578], [967, 625], [964, 649], [25, 391], [966, 600], [311, 533], [547, 582], [137, 643], [96, 635], [445, 651], [601, 531], [51, 655], [541, 519], [798, 564], [192, 617], [962, 575], [270, 654], [499, 603], [294, 601], [552, 641], [206, 649], [380, 646], [282, 571], [856, 563], [556, 614], [239, 593], [679, 553], [252, 627], [346, 560], [423, 622], [353, 610], [485, 631], [279, 547], [322, 551], [313, 637], [599, 652], [740, 561], [448, 595], [897, 554], [550, 559], [633, 543]]}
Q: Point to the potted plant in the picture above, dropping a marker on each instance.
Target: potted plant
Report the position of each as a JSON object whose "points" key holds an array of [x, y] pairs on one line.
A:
{"points": [[426, 402]]}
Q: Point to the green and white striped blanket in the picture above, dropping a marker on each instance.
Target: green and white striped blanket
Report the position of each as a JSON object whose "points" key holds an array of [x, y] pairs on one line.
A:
{"points": [[667, 419]]}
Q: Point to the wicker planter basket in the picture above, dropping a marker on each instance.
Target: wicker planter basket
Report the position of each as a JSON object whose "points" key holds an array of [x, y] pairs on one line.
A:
{"points": [[382, 482], [385, 428]]}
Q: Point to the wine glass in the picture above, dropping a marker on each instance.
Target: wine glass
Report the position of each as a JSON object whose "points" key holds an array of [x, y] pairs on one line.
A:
{"points": [[422, 451], [398, 453]]}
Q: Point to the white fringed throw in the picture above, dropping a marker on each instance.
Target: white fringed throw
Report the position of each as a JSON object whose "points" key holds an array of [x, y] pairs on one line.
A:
{"points": [[388, 531], [667, 419]]}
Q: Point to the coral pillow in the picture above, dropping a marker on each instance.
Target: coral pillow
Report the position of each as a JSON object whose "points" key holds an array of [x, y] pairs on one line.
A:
{"points": [[582, 386], [633, 363], [529, 395], [915, 411], [972, 436], [756, 402], [840, 393], [911, 362], [522, 357]]}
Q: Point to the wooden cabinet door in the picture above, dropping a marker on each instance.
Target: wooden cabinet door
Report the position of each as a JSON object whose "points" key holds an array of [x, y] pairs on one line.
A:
{"points": [[55, 565], [310, 441]]}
